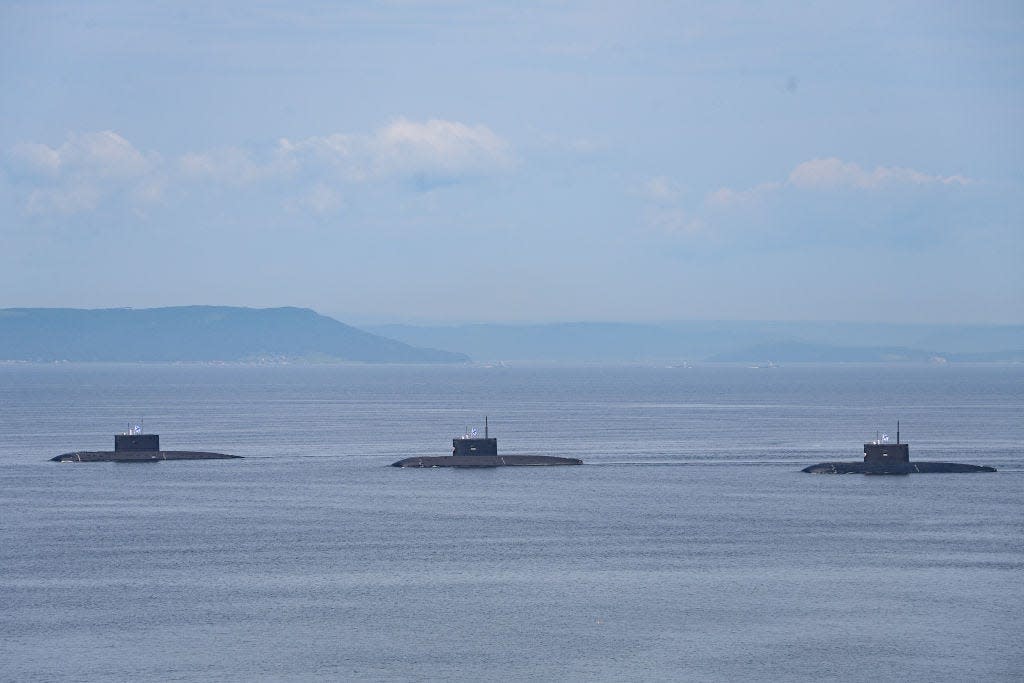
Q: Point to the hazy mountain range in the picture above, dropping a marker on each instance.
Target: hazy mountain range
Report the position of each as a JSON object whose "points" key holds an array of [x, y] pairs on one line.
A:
{"points": [[722, 341], [224, 333], [196, 333]]}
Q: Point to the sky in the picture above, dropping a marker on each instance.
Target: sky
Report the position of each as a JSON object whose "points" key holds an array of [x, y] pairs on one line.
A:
{"points": [[447, 161]]}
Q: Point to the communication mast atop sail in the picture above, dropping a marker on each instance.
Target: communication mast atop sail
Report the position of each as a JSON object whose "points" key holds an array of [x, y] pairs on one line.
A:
{"points": [[471, 444]]}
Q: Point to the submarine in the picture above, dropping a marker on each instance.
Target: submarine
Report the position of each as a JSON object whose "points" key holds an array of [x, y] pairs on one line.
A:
{"points": [[882, 457], [470, 451], [135, 447]]}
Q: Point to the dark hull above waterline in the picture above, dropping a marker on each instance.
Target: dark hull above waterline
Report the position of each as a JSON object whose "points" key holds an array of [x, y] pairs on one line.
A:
{"points": [[486, 461], [894, 468], [138, 456]]}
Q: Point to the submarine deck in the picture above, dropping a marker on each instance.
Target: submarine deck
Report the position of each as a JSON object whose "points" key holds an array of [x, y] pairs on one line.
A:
{"points": [[139, 456], [486, 461], [855, 467]]}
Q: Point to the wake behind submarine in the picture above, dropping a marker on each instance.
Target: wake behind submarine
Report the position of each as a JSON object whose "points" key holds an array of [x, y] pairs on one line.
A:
{"points": [[882, 457], [470, 451], [133, 446]]}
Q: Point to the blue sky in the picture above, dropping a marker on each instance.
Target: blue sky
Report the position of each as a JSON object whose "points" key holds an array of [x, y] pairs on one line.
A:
{"points": [[551, 161]]}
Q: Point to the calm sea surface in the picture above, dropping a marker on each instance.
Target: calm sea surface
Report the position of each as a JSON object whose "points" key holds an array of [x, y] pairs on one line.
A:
{"points": [[689, 547]]}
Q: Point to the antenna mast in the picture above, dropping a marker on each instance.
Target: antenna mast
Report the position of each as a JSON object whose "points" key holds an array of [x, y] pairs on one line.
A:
{"points": [[897, 432], [485, 427]]}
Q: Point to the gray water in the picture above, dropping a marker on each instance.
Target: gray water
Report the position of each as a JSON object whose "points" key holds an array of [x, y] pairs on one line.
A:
{"points": [[689, 547]]}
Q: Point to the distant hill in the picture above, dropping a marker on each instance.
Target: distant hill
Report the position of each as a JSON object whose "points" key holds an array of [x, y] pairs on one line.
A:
{"points": [[564, 342], [800, 352], [196, 333], [721, 341]]}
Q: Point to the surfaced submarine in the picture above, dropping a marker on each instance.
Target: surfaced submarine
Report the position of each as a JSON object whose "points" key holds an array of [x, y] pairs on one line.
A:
{"points": [[470, 451], [135, 447], [882, 457]]}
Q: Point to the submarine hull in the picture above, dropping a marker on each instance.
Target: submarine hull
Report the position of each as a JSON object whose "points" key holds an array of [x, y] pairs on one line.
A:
{"points": [[486, 461], [895, 468], [139, 456]]}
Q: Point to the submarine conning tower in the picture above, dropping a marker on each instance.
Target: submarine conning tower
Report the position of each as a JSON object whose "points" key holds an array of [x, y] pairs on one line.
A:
{"points": [[136, 442], [470, 444], [881, 451]]}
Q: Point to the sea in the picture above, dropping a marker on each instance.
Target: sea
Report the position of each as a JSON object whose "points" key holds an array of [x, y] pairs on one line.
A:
{"points": [[688, 547]]}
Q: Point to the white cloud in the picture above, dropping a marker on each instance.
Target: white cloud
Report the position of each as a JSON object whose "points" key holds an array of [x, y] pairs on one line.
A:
{"points": [[661, 189], [403, 148], [103, 154], [834, 173], [31, 157], [84, 171], [339, 154], [674, 221], [235, 166], [446, 147], [726, 196], [818, 199], [106, 154], [89, 169], [322, 199], [68, 199]]}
